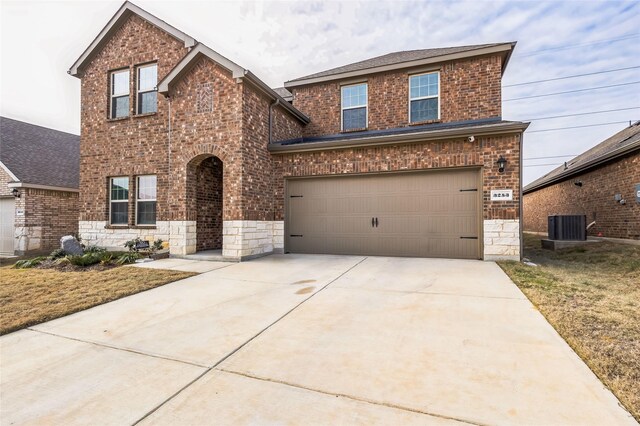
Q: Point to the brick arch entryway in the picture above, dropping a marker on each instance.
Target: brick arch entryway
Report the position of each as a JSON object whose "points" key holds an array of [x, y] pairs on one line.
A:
{"points": [[205, 200]]}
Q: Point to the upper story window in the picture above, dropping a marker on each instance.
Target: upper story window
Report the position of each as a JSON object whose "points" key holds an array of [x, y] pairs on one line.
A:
{"points": [[119, 201], [354, 107], [146, 200], [147, 100], [119, 94], [424, 97]]}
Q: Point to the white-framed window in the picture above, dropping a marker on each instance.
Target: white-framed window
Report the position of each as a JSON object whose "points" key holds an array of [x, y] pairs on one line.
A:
{"points": [[119, 200], [146, 200], [353, 107], [424, 97], [147, 97], [119, 102]]}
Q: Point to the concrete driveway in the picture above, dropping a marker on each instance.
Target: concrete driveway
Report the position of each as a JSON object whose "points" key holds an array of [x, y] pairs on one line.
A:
{"points": [[305, 339]]}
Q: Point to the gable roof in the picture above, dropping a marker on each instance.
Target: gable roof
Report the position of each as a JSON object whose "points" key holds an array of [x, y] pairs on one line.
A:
{"points": [[201, 50], [620, 144], [39, 155], [405, 59], [126, 10]]}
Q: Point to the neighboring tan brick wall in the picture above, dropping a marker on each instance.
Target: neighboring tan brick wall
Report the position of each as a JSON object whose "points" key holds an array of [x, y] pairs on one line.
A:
{"points": [[5, 179], [470, 89], [593, 199], [483, 152]]}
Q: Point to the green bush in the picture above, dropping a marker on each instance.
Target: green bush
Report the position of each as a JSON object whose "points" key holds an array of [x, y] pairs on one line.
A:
{"points": [[157, 245], [29, 263], [57, 254], [94, 249], [86, 259], [62, 261], [106, 258], [128, 257]]}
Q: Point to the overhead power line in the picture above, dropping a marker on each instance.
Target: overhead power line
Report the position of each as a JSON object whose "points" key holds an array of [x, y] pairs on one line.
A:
{"points": [[572, 91], [572, 46], [572, 76], [539, 165], [578, 127], [553, 156], [581, 113]]}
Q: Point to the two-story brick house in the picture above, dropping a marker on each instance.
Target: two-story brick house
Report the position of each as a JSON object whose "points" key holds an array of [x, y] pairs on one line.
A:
{"points": [[396, 155]]}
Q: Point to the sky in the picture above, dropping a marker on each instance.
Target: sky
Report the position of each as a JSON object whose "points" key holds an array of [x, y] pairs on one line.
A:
{"points": [[282, 40]]}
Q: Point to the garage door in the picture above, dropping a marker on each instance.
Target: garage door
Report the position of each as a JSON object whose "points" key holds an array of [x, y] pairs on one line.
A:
{"points": [[7, 214], [425, 214]]}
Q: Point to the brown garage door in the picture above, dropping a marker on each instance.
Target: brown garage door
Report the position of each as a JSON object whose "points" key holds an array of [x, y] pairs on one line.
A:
{"points": [[422, 214]]}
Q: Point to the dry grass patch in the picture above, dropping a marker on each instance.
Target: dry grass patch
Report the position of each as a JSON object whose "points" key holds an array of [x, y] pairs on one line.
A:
{"points": [[591, 295], [32, 296]]}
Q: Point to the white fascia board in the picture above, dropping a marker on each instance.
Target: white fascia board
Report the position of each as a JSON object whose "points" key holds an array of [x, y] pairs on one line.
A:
{"points": [[37, 186], [124, 12]]}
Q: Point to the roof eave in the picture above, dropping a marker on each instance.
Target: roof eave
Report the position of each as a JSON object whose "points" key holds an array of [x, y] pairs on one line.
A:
{"points": [[503, 47], [621, 152], [126, 10], [428, 135]]}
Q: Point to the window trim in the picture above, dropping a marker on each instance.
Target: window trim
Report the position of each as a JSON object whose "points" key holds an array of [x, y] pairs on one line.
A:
{"points": [[138, 91], [422, 97], [118, 201], [138, 201], [120, 95], [366, 106]]}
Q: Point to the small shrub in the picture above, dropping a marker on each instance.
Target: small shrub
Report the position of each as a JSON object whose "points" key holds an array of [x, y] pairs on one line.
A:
{"points": [[128, 257], [29, 263], [86, 259], [62, 261], [95, 249], [157, 245], [131, 244], [57, 254], [106, 258]]}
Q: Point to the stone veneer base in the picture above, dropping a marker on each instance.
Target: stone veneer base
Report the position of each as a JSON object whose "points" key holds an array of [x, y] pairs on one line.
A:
{"points": [[502, 239]]}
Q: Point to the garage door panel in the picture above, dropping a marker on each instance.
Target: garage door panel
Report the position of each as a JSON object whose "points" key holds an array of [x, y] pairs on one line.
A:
{"points": [[419, 214], [7, 221]]}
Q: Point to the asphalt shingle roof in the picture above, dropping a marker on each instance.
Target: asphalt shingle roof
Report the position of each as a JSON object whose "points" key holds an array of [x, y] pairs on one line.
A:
{"points": [[626, 138], [396, 58], [39, 155]]}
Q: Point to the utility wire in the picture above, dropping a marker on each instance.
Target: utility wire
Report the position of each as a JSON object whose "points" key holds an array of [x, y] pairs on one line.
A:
{"points": [[571, 46], [578, 127], [553, 156], [572, 91], [539, 165], [572, 76], [581, 113]]}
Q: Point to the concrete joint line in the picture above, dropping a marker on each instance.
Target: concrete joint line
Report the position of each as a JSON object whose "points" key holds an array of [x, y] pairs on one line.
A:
{"points": [[354, 398], [386, 290], [224, 358], [104, 345]]}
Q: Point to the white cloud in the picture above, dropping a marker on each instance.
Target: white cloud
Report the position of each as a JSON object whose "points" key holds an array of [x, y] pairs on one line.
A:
{"points": [[282, 40]]}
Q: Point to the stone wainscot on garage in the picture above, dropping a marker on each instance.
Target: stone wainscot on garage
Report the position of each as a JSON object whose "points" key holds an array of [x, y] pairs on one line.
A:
{"points": [[38, 187], [404, 154]]}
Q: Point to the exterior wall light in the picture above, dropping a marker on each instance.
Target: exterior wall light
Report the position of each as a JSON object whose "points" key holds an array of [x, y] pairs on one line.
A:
{"points": [[502, 162], [15, 192], [578, 183]]}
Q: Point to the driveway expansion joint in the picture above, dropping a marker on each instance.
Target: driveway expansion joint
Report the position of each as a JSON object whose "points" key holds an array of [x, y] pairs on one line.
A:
{"points": [[224, 358], [435, 293], [354, 398]]}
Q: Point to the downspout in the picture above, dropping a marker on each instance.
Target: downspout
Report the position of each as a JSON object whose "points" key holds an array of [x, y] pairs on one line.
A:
{"points": [[521, 201], [274, 104]]}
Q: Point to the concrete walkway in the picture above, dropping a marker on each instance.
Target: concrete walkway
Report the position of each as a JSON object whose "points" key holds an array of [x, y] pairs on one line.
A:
{"points": [[295, 339]]}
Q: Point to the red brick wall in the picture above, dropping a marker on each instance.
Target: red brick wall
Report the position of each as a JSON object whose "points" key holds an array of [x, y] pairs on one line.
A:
{"points": [[483, 152], [209, 204], [129, 146], [469, 89], [595, 199], [55, 211]]}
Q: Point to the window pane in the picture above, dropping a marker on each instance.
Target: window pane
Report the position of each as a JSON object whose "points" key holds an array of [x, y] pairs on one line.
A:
{"points": [[146, 213], [148, 77], [425, 109], [119, 213], [147, 102], [354, 96], [147, 188], [120, 83], [423, 85], [120, 107], [354, 118], [120, 188]]}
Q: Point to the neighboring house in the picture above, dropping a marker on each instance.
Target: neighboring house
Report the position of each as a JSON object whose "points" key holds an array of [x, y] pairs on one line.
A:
{"points": [[602, 183], [396, 155], [38, 186]]}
